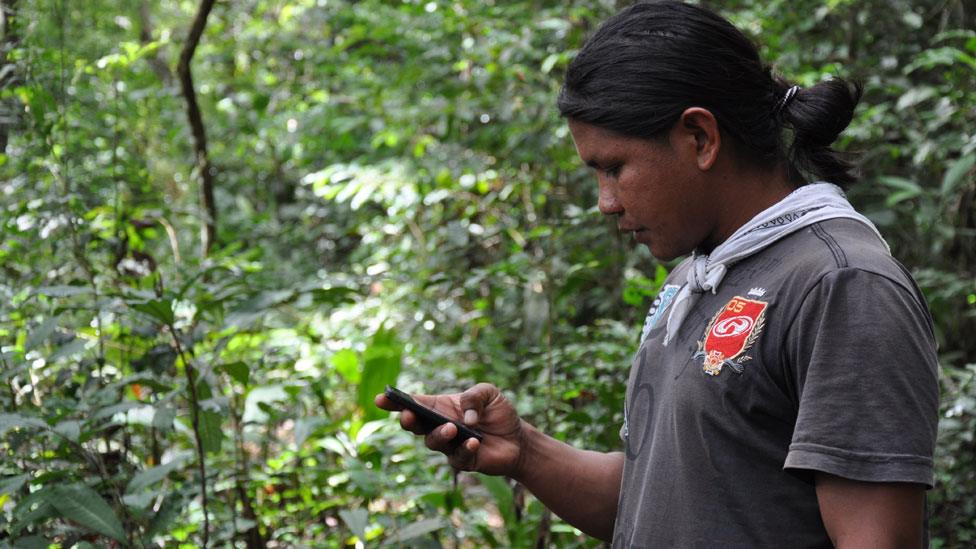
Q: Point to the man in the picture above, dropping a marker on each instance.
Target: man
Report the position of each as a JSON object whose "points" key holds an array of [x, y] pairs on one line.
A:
{"points": [[784, 393]]}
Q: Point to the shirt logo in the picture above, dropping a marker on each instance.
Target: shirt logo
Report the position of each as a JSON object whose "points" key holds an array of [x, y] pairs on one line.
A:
{"points": [[664, 298], [731, 332]]}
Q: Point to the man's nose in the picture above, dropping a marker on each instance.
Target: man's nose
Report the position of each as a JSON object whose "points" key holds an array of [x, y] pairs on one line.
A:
{"points": [[608, 203]]}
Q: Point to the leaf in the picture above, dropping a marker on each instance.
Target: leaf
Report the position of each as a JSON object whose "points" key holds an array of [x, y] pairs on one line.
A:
{"points": [[381, 367], [417, 529], [31, 542], [17, 421], [913, 97], [346, 362], [69, 429], [148, 477], [39, 335], [305, 426], [159, 309], [904, 189], [501, 492], [139, 501], [210, 433], [238, 371], [110, 411], [163, 418], [83, 505], [25, 516], [12, 484], [69, 349], [62, 291], [168, 511], [356, 520], [957, 172]]}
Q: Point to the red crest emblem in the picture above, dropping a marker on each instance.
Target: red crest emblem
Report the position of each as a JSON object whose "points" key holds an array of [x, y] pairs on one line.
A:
{"points": [[730, 333]]}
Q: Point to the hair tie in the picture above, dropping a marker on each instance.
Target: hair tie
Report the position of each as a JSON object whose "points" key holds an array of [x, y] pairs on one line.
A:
{"points": [[787, 97]]}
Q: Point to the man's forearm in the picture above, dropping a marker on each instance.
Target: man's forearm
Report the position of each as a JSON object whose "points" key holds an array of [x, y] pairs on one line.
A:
{"points": [[580, 486]]}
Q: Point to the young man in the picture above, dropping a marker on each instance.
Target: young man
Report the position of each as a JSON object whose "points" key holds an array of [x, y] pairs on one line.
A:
{"points": [[785, 390]]}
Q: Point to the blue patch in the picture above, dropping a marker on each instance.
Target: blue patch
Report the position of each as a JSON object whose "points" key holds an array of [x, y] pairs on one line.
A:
{"points": [[661, 303]]}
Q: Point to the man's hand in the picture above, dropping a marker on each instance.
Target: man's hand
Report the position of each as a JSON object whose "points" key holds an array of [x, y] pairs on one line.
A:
{"points": [[481, 407], [869, 515], [580, 486]]}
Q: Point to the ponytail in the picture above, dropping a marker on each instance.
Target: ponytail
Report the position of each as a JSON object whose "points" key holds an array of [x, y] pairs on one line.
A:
{"points": [[816, 116]]}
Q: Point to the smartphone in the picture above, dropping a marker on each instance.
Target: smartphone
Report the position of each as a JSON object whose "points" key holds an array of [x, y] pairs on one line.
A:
{"points": [[428, 418]]}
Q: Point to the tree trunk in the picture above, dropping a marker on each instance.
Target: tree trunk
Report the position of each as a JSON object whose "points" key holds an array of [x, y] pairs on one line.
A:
{"points": [[203, 165]]}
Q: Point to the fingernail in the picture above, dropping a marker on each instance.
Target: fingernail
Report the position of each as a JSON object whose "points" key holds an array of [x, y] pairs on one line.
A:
{"points": [[470, 417]]}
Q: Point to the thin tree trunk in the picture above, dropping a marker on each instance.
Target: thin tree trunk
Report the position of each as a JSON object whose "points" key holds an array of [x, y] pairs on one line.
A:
{"points": [[8, 70], [207, 171]]}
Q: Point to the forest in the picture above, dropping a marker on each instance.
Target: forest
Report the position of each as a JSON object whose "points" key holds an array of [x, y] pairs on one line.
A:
{"points": [[226, 226]]}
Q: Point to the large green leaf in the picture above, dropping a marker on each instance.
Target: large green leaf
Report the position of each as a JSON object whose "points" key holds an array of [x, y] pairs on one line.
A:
{"points": [[381, 367], [210, 433], [346, 362], [158, 309], [81, 504]]}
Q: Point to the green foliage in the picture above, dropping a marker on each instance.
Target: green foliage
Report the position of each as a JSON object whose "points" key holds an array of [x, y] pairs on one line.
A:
{"points": [[398, 202]]}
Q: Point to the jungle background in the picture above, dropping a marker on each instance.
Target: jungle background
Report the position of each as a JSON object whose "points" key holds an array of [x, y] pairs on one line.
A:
{"points": [[227, 225]]}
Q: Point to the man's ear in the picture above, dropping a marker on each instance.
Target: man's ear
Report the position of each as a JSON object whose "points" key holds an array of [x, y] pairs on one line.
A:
{"points": [[698, 129]]}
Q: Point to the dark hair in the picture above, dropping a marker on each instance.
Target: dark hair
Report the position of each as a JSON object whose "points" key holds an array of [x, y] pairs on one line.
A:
{"points": [[644, 66]]}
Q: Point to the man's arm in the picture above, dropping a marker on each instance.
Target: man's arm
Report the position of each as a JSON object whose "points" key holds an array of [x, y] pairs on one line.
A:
{"points": [[869, 515], [580, 486]]}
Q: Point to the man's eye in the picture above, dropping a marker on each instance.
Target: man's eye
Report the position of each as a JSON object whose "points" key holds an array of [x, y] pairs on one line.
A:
{"points": [[612, 171]]}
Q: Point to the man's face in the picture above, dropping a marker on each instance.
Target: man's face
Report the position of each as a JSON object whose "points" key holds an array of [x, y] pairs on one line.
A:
{"points": [[655, 189]]}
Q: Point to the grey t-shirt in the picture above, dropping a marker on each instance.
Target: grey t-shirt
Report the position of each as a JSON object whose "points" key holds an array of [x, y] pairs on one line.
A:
{"points": [[816, 354]]}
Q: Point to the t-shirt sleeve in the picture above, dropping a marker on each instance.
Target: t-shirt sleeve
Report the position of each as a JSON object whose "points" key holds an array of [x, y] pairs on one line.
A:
{"points": [[863, 362]]}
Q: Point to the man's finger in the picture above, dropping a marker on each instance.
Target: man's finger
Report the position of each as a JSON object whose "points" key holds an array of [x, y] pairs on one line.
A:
{"points": [[465, 457], [442, 439], [475, 400], [385, 404], [409, 422]]}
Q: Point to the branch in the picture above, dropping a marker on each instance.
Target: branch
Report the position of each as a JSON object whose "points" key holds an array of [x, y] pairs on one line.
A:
{"points": [[191, 379], [209, 230]]}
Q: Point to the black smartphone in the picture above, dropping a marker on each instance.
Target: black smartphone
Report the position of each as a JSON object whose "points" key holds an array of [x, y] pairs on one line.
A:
{"points": [[428, 418]]}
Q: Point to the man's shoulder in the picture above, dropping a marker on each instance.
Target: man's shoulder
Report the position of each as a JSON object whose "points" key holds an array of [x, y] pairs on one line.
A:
{"points": [[838, 245]]}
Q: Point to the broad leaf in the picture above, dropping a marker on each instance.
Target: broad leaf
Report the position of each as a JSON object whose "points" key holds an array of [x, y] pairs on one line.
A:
{"points": [[238, 371], [346, 362], [381, 367], [12, 484], [210, 433], [84, 506], [357, 520], [161, 310]]}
